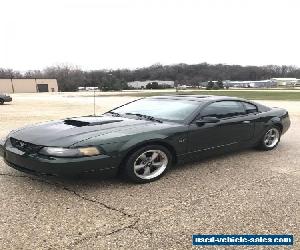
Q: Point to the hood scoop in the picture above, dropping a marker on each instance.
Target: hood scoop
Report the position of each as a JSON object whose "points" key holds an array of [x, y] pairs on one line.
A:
{"points": [[89, 121]]}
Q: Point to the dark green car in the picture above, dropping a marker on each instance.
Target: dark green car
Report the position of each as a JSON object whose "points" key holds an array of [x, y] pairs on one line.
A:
{"points": [[4, 98], [144, 138]]}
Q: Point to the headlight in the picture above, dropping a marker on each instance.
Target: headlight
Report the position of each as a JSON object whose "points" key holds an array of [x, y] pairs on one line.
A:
{"points": [[70, 152]]}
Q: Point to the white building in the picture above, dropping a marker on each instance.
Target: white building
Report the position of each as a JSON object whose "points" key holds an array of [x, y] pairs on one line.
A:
{"points": [[285, 82], [250, 84], [143, 84]]}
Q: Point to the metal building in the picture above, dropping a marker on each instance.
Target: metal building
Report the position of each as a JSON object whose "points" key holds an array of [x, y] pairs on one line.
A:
{"points": [[143, 84], [28, 85], [286, 82], [250, 84]]}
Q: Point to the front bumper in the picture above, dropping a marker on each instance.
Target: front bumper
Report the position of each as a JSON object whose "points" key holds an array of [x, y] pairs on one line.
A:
{"points": [[38, 164], [2, 142], [286, 123]]}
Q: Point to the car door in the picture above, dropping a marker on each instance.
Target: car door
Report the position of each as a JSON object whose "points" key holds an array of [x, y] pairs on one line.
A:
{"points": [[234, 126]]}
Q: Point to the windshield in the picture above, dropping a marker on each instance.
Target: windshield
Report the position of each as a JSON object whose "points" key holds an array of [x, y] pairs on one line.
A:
{"points": [[160, 108]]}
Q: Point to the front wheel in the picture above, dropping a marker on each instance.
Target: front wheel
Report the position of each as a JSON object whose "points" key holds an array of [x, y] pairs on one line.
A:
{"points": [[270, 139], [148, 164], [1, 102]]}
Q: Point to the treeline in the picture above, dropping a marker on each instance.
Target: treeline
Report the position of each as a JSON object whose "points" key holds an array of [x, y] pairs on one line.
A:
{"points": [[70, 78]]}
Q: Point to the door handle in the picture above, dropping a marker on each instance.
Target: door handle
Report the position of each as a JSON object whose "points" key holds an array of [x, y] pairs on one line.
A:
{"points": [[247, 122]]}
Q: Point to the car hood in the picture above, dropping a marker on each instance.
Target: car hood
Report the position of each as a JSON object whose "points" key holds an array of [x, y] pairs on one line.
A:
{"points": [[64, 133]]}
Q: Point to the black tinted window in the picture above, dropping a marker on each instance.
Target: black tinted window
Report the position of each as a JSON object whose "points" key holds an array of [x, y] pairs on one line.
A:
{"points": [[250, 108], [223, 109]]}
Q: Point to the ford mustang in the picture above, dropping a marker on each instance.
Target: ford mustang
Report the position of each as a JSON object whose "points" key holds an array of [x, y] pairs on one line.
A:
{"points": [[4, 98], [144, 138]]}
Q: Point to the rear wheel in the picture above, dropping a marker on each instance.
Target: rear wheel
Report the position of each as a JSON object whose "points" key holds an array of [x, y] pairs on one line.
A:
{"points": [[1, 102], [270, 139], [148, 164]]}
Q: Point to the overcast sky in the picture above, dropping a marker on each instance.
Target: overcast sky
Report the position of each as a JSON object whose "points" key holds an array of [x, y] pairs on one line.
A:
{"points": [[97, 34]]}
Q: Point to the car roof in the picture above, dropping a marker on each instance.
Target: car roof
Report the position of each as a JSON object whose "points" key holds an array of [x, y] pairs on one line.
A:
{"points": [[197, 98]]}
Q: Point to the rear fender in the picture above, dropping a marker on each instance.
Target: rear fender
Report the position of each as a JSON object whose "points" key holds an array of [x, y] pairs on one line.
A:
{"points": [[274, 121]]}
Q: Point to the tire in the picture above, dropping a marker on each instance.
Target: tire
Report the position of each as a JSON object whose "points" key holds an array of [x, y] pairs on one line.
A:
{"points": [[270, 139], [147, 164], [1, 102]]}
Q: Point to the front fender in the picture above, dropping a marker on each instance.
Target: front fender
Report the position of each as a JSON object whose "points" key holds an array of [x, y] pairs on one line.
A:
{"points": [[135, 142], [121, 148]]}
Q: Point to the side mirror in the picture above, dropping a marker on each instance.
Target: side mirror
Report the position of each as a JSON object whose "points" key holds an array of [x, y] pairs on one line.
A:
{"points": [[204, 120]]}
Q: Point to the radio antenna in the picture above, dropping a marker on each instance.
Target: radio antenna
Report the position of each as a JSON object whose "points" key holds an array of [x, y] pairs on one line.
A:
{"points": [[94, 101]]}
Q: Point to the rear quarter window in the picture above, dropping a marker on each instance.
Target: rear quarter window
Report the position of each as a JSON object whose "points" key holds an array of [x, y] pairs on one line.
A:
{"points": [[263, 108], [250, 108]]}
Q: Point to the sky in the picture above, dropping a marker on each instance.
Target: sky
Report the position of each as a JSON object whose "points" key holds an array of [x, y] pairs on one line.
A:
{"points": [[111, 34]]}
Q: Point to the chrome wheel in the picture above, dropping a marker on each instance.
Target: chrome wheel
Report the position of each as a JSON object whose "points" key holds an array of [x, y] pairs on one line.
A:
{"points": [[150, 164], [271, 138]]}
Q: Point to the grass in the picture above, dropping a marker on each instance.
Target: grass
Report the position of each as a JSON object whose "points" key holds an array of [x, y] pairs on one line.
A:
{"points": [[249, 94]]}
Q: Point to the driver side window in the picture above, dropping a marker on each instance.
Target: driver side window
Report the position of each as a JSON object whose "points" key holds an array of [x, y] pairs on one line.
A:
{"points": [[223, 109]]}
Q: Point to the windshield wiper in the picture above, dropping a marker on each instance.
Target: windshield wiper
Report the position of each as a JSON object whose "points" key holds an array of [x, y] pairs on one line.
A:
{"points": [[148, 117], [113, 113]]}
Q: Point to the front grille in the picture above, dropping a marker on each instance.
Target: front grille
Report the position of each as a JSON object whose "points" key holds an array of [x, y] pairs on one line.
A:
{"points": [[25, 146]]}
